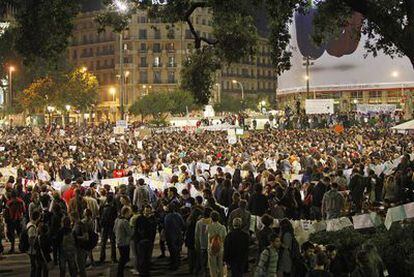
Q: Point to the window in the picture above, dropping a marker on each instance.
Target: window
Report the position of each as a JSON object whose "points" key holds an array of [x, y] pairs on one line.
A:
{"points": [[171, 77], [84, 39], [203, 21], [375, 94], [170, 46], [98, 64], [356, 94], [245, 73], [157, 77], [157, 62], [171, 61], [156, 48], [157, 34], [144, 62], [188, 34], [75, 55], [142, 19], [143, 77], [143, 47], [142, 34]]}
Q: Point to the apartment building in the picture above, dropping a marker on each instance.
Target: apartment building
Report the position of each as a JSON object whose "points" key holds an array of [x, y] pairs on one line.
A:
{"points": [[153, 57]]}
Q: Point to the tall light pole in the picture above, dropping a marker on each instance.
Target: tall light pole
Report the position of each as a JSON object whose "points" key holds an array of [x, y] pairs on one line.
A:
{"points": [[307, 63], [11, 70], [241, 86], [122, 8], [218, 92]]}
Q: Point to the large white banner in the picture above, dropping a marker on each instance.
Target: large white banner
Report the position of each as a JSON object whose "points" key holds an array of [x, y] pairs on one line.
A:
{"points": [[319, 106], [373, 108]]}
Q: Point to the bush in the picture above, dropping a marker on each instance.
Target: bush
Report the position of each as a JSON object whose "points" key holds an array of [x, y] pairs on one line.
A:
{"points": [[395, 246]]}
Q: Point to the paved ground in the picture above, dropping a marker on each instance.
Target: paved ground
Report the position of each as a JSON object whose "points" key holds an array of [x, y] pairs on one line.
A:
{"points": [[18, 265]]}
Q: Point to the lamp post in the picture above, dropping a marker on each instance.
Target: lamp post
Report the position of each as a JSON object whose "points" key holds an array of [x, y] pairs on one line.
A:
{"points": [[10, 98], [112, 91], [241, 86], [218, 92], [50, 109], [262, 105]]}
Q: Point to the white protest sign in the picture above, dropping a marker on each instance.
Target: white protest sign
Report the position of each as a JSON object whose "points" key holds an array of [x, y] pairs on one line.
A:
{"points": [[119, 130], [394, 214], [362, 221], [409, 210], [72, 147], [2, 148], [139, 145], [112, 140], [319, 106]]}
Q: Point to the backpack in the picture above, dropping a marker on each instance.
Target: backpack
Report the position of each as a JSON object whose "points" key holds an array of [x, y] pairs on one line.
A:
{"points": [[91, 243], [215, 244], [24, 243]]}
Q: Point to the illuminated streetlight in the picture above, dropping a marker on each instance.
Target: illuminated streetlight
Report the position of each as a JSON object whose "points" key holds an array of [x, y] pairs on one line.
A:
{"points": [[306, 77], [84, 69], [241, 86], [263, 103], [121, 6], [112, 91], [355, 101], [395, 74], [50, 109], [11, 70], [67, 107]]}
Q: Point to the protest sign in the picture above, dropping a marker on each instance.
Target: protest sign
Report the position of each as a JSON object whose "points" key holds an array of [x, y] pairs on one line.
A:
{"points": [[139, 144], [394, 214]]}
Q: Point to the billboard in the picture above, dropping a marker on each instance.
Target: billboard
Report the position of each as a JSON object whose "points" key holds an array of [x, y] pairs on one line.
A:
{"points": [[319, 106], [341, 63]]}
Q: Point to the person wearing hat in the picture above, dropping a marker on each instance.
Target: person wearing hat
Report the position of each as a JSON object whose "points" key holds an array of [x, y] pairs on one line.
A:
{"points": [[236, 249]]}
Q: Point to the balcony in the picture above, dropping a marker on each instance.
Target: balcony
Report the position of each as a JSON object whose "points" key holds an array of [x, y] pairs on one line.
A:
{"points": [[157, 65], [86, 55], [172, 65], [105, 53], [143, 65]]}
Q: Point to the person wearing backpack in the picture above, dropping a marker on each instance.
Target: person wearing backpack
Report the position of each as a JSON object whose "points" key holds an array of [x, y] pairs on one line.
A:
{"points": [[174, 226], [201, 240], [28, 237], [268, 261], [67, 248], [123, 234], [216, 234], [236, 249], [14, 212], [108, 216], [81, 238], [287, 249]]}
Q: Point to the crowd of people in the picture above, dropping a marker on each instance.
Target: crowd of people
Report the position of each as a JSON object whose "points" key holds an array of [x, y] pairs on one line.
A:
{"points": [[64, 226]]}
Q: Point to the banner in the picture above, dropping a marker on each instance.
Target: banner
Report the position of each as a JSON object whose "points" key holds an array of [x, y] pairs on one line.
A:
{"points": [[319, 106], [376, 108]]}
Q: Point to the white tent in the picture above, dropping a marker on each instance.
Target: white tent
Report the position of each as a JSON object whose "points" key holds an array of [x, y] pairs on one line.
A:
{"points": [[407, 127]]}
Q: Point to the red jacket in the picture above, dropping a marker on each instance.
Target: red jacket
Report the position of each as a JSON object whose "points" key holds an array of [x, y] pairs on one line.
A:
{"points": [[68, 194], [15, 208]]}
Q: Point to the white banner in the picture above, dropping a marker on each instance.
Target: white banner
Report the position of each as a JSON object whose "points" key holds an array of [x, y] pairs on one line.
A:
{"points": [[376, 108], [319, 106]]}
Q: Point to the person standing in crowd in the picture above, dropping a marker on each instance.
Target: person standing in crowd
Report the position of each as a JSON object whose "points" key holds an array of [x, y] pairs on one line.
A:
{"points": [[337, 265], [201, 241], [67, 249], [54, 227], [77, 205], [374, 258], [234, 204], [32, 234], [319, 270], [174, 227], [145, 231], [108, 215], [242, 213], [216, 234], [44, 249], [332, 203], [2, 236], [191, 224], [141, 195], [14, 213], [123, 234], [357, 188], [286, 254], [81, 238], [263, 235], [258, 203], [364, 267], [236, 249], [269, 259], [318, 192]]}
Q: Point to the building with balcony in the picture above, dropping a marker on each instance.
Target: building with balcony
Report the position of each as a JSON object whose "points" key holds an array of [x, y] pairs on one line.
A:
{"points": [[153, 56]]}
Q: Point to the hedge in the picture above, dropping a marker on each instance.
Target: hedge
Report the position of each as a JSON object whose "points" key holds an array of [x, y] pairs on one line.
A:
{"points": [[395, 246]]}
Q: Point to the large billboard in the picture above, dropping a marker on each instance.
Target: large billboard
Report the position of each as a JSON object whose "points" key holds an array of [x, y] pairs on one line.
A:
{"points": [[341, 63]]}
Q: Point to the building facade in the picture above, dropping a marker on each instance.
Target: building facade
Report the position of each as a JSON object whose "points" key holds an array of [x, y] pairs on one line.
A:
{"points": [[153, 56]]}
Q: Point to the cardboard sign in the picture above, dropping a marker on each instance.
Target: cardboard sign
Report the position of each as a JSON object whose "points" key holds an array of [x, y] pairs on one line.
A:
{"points": [[72, 147], [362, 221], [119, 130], [394, 214], [409, 210], [139, 145]]}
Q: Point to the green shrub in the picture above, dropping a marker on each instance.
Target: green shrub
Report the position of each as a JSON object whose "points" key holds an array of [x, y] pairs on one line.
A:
{"points": [[395, 246]]}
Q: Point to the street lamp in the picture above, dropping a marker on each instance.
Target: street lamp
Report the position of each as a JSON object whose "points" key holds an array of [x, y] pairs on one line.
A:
{"points": [[84, 69], [146, 88], [11, 70], [241, 86], [67, 107], [50, 109], [112, 91], [218, 92]]}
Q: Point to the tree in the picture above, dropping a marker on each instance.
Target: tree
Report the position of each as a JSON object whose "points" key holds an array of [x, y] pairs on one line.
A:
{"points": [[156, 104], [77, 88], [197, 74], [180, 101], [38, 95], [41, 28], [80, 90]]}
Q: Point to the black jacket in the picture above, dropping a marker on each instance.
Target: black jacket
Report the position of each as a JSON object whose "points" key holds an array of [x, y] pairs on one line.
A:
{"points": [[258, 204], [236, 247]]}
